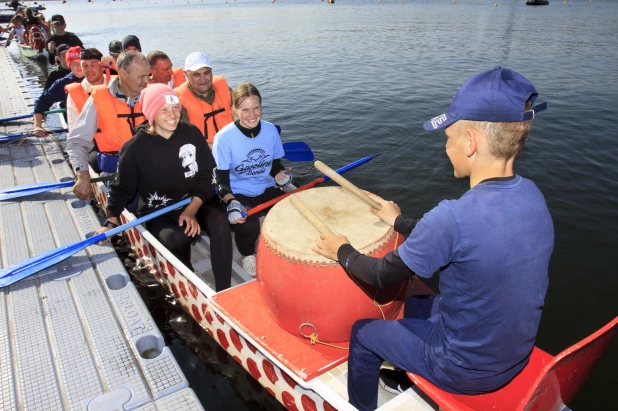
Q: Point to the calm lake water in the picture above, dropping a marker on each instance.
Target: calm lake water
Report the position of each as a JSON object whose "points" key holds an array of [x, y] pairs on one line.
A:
{"points": [[360, 77]]}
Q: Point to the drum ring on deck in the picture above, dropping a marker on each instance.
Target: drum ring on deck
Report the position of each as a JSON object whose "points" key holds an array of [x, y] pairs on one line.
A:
{"points": [[300, 330]]}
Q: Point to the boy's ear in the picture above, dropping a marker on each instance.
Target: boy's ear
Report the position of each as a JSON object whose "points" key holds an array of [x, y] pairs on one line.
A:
{"points": [[471, 136]]}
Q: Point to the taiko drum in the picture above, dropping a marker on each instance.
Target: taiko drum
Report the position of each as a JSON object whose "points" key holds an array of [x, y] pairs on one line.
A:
{"points": [[309, 294]]}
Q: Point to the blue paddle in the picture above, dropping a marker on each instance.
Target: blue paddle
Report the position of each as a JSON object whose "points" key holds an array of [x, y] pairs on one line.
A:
{"points": [[35, 264], [294, 151], [313, 183], [32, 189], [4, 120], [297, 151], [20, 135]]}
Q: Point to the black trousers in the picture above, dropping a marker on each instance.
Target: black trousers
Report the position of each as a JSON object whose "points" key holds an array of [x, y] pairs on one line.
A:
{"points": [[212, 217], [247, 234]]}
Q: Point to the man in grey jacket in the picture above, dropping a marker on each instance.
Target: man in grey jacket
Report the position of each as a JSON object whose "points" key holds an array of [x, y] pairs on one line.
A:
{"points": [[133, 76]]}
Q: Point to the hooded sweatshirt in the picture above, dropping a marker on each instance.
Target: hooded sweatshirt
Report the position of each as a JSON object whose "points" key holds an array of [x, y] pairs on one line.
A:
{"points": [[162, 171]]}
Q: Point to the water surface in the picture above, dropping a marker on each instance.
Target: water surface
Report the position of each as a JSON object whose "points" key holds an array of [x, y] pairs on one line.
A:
{"points": [[359, 77]]}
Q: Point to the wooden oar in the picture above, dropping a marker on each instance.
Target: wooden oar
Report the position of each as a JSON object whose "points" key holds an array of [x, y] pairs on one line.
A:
{"points": [[4, 120], [35, 264], [310, 216], [20, 135], [313, 183], [347, 185], [32, 189]]}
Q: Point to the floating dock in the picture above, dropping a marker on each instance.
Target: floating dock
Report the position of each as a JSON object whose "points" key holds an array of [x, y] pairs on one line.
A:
{"points": [[76, 336]]}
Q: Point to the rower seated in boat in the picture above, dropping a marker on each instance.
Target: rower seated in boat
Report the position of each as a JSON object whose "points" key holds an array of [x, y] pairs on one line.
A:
{"points": [[161, 70], [249, 172], [60, 36], [62, 69], [110, 116], [72, 92], [109, 62], [130, 42], [56, 93], [34, 36], [16, 32], [165, 162], [206, 98], [492, 248]]}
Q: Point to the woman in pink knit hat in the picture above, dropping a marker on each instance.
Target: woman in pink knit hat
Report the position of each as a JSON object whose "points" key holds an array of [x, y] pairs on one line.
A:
{"points": [[165, 162]]}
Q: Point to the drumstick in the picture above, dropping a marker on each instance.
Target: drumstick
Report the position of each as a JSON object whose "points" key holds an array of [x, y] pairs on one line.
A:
{"points": [[309, 215], [346, 184]]}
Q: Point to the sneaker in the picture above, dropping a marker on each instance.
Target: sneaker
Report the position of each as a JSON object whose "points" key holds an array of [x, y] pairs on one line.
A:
{"points": [[393, 381], [248, 264]]}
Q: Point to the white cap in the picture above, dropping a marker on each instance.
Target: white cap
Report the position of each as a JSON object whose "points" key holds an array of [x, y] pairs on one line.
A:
{"points": [[196, 61]]}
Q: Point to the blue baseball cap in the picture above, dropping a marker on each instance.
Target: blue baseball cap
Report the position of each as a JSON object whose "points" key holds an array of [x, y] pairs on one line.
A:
{"points": [[497, 95]]}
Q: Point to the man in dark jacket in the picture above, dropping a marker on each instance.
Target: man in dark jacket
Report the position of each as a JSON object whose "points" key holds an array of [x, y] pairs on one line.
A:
{"points": [[60, 36], [56, 92]]}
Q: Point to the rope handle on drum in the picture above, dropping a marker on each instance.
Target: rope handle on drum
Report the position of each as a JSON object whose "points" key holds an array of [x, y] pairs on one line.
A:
{"points": [[313, 337]]}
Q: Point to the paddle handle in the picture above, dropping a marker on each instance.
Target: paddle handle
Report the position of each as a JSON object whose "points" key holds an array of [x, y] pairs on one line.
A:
{"points": [[98, 179], [310, 216], [347, 185], [58, 110], [147, 217]]}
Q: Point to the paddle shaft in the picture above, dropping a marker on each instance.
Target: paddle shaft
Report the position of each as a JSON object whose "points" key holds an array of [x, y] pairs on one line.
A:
{"points": [[32, 189], [2, 120], [147, 217], [20, 135], [310, 216], [309, 185], [35, 264], [347, 185]]}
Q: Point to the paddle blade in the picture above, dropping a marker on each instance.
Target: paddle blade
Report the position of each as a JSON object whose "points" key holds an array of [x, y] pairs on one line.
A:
{"points": [[40, 262], [31, 189], [297, 151]]}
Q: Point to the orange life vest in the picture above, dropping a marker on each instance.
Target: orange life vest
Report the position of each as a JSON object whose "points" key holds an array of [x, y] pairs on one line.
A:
{"points": [[208, 118], [178, 77], [115, 118], [78, 95]]}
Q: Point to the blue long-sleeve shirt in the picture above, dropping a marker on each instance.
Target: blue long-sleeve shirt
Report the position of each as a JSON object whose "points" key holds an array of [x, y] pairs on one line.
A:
{"points": [[55, 93]]}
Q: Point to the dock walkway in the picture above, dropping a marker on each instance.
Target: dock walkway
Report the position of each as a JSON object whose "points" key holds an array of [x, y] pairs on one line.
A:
{"points": [[76, 335]]}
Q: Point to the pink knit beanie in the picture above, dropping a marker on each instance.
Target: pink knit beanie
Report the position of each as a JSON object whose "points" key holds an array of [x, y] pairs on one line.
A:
{"points": [[154, 97]]}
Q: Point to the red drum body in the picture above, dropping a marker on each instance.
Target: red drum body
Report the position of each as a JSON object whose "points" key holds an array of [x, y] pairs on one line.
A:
{"points": [[309, 294]]}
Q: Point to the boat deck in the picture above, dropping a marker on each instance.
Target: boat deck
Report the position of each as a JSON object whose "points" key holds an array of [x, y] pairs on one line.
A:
{"points": [[76, 335]]}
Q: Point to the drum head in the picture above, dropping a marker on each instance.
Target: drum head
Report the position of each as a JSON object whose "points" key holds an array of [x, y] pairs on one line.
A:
{"points": [[287, 233]]}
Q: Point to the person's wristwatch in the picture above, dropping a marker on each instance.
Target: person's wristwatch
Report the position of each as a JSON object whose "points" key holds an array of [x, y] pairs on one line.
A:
{"points": [[110, 224]]}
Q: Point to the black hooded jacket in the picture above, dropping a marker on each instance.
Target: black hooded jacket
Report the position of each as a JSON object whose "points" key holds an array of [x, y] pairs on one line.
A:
{"points": [[163, 171]]}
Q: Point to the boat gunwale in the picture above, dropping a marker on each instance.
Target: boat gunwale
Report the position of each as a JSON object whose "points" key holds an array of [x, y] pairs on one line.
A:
{"points": [[319, 387]]}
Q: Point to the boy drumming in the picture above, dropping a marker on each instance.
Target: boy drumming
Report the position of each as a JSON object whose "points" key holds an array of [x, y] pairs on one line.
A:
{"points": [[492, 248]]}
